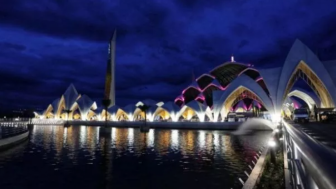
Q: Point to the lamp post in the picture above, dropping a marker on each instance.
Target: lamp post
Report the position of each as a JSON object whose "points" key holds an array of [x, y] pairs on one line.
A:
{"points": [[67, 111], [272, 144], [106, 103], [144, 109]]}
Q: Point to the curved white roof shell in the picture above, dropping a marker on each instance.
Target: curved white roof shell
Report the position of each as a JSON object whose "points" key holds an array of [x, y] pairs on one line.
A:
{"points": [[55, 105], [70, 97], [85, 104], [308, 97], [113, 109], [300, 52], [148, 102], [220, 97], [130, 110], [200, 109]]}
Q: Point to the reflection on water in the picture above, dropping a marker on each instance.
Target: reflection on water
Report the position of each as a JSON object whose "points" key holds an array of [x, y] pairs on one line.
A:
{"points": [[77, 157]]}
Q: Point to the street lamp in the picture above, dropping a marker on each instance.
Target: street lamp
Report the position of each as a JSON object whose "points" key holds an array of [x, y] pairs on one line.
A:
{"points": [[272, 144]]}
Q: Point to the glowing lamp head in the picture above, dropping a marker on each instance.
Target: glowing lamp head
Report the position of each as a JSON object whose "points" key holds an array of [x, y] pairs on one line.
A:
{"points": [[232, 58], [271, 143], [276, 118]]}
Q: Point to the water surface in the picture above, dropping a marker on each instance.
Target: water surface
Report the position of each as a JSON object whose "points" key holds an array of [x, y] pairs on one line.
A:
{"points": [[78, 157]]}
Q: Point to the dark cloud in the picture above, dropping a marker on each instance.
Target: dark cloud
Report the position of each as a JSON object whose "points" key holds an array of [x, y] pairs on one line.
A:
{"points": [[46, 45]]}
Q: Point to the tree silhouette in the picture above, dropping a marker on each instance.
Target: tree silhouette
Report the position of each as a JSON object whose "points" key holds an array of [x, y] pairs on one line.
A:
{"points": [[144, 109], [67, 111]]}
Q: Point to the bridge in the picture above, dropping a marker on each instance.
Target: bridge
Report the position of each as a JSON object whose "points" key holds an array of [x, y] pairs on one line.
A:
{"points": [[309, 155]]}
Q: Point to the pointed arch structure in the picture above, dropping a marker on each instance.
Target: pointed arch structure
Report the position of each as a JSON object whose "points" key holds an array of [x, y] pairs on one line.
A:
{"points": [[242, 87], [85, 104], [116, 112], [200, 110], [310, 99], [130, 111], [70, 100], [172, 109], [301, 62]]}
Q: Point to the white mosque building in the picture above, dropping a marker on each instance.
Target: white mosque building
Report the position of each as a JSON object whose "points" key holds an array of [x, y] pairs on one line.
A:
{"points": [[224, 89]]}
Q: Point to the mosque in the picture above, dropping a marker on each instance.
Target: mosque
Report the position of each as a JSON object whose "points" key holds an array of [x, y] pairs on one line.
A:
{"points": [[230, 87]]}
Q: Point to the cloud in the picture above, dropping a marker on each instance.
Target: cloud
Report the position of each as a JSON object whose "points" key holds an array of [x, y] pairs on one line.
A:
{"points": [[46, 45]]}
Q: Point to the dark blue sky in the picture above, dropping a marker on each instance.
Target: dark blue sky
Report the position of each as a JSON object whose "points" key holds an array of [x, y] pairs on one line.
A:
{"points": [[46, 45]]}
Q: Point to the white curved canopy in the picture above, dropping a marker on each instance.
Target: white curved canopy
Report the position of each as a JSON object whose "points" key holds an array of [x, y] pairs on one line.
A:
{"points": [[220, 97], [70, 96], [305, 97]]}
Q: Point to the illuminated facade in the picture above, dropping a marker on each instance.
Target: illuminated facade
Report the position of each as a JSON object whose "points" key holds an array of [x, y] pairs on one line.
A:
{"points": [[229, 87], [70, 106]]}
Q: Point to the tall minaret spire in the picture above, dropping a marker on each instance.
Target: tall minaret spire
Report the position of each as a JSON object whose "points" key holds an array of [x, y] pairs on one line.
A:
{"points": [[232, 58], [110, 72]]}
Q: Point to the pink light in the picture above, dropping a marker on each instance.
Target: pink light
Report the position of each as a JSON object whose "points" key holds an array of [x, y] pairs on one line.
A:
{"points": [[246, 70], [258, 79], [200, 90], [179, 98], [200, 98], [296, 106], [249, 108], [213, 77]]}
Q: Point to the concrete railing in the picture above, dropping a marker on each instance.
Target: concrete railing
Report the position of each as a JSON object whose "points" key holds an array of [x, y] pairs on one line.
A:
{"points": [[10, 141], [309, 164]]}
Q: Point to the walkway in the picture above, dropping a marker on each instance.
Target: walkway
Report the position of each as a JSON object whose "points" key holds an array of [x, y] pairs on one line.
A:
{"points": [[6, 131], [322, 132]]}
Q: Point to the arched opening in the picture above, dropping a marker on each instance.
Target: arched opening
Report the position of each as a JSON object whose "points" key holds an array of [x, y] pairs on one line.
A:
{"points": [[188, 113], [162, 114], [48, 113], [304, 72], [305, 97], [60, 109], [237, 95]]}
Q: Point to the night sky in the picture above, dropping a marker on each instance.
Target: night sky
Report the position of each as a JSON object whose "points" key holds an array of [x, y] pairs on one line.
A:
{"points": [[46, 45]]}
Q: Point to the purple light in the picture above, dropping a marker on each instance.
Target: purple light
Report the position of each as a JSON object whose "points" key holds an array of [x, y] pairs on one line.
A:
{"points": [[249, 108], [200, 90], [258, 79], [201, 97], [296, 106], [181, 98]]}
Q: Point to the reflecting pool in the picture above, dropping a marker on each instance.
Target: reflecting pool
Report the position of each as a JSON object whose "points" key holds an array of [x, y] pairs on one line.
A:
{"points": [[78, 157]]}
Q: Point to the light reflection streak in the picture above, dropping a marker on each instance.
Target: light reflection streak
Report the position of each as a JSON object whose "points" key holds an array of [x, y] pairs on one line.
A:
{"points": [[216, 140], [65, 133], [175, 138], [82, 135], [97, 134], [130, 136], [151, 138], [113, 134], [201, 138]]}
